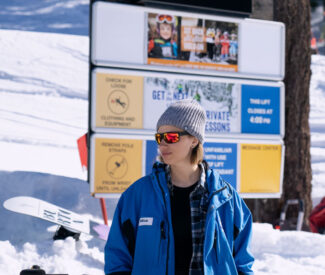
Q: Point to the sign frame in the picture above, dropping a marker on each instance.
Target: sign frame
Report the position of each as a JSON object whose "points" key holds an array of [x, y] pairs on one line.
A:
{"points": [[268, 32], [250, 32], [237, 7], [140, 131], [146, 138]]}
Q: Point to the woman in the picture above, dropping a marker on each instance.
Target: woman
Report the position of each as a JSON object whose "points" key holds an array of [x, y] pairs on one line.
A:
{"points": [[183, 218]]}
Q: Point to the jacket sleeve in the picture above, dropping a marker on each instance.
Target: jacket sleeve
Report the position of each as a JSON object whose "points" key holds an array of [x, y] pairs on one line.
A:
{"points": [[242, 236], [118, 258]]}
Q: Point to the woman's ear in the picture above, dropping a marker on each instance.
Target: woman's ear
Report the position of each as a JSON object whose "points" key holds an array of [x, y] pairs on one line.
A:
{"points": [[195, 142]]}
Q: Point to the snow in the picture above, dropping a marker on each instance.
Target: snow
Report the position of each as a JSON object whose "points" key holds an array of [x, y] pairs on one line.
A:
{"points": [[43, 111], [43, 101], [68, 16], [317, 126], [287, 252]]}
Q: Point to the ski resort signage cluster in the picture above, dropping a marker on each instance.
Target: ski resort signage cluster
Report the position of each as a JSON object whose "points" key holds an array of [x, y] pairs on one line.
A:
{"points": [[232, 66]]}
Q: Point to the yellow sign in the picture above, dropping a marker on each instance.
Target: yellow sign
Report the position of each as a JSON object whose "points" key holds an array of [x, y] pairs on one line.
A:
{"points": [[260, 168], [119, 100], [118, 163]]}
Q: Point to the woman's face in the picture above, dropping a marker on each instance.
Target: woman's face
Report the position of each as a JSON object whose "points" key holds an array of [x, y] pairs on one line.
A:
{"points": [[165, 31], [179, 152]]}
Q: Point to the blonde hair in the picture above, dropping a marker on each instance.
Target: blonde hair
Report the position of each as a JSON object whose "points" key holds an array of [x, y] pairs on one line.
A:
{"points": [[196, 155]]}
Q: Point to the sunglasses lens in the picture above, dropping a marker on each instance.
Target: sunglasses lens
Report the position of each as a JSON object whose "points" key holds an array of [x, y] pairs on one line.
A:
{"points": [[158, 138], [169, 18], [171, 137]]}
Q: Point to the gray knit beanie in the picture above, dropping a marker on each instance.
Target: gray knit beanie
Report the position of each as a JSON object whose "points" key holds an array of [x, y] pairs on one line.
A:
{"points": [[187, 115]]}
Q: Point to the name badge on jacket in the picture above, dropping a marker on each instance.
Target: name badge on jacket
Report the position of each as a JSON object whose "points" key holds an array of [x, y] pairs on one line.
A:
{"points": [[145, 221]]}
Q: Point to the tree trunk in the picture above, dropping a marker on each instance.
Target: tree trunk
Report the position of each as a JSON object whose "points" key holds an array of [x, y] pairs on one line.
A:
{"points": [[297, 171]]}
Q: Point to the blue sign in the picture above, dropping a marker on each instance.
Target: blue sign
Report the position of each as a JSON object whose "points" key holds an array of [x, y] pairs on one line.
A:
{"points": [[151, 155], [260, 110], [223, 158]]}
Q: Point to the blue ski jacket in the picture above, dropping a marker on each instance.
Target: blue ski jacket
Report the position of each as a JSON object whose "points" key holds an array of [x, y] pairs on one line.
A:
{"points": [[141, 240]]}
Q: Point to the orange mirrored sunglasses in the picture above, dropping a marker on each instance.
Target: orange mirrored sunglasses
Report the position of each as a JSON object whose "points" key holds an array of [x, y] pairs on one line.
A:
{"points": [[169, 137]]}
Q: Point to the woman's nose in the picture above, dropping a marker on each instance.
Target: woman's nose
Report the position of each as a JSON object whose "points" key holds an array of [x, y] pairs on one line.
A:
{"points": [[163, 143]]}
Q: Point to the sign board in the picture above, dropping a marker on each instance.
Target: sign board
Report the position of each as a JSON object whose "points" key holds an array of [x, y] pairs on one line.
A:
{"points": [[209, 46], [154, 39], [124, 100], [253, 167], [118, 162], [119, 101], [143, 59], [237, 6]]}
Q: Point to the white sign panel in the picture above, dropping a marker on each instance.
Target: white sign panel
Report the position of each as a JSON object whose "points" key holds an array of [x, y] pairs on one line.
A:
{"points": [[153, 39]]}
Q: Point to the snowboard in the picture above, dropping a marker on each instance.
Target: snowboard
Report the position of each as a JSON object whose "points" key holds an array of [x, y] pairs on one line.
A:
{"points": [[58, 215]]}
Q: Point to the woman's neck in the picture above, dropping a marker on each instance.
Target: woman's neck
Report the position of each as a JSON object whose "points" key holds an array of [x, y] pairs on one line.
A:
{"points": [[185, 175]]}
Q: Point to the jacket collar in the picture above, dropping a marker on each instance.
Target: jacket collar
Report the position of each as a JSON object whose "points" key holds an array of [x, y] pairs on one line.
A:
{"points": [[219, 190], [202, 181], [159, 179]]}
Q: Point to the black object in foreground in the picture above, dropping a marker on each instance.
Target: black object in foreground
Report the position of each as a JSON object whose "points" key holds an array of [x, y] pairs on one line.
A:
{"points": [[62, 233], [36, 270]]}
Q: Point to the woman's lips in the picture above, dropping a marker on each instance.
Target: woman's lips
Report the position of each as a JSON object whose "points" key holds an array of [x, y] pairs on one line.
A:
{"points": [[165, 154]]}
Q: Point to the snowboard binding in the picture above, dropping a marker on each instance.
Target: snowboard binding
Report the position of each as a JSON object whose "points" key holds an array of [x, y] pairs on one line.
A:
{"points": [[62, 233]]}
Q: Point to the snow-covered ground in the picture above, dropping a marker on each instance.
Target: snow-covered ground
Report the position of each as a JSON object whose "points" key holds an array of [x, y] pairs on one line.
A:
{"points": [[68, 16], [43, 111], [43, 101], [317, 126]]}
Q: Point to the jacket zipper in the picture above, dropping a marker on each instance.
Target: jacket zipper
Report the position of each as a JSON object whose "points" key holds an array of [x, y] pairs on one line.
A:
{"points": [[209, 210], [162, 238], [163, 194], [211, 196], [218, 191], [162, 230]]}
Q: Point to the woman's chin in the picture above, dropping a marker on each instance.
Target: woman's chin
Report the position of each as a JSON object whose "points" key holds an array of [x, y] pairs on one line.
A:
{"points": [[167, 160]]}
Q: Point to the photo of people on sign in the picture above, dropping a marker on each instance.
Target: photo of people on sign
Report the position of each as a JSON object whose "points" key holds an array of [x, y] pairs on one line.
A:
{"points": [[220, 100], [194, 43], [163, 36]]}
